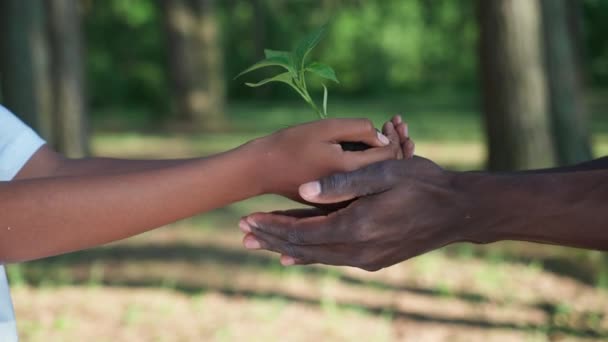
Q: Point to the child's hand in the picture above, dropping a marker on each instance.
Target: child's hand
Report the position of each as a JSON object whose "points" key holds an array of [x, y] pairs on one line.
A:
{"points": [[303, 153]]}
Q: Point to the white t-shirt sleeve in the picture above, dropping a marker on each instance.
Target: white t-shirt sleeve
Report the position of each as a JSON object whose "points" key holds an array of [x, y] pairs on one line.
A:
{"points": [[18, 143]]}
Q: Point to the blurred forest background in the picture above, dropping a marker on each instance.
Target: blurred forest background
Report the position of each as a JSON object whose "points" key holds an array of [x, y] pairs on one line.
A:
{"points": [[502, 84]]}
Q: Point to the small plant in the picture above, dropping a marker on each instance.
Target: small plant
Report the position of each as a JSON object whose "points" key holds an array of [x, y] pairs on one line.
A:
{"points": [[296, 66]]}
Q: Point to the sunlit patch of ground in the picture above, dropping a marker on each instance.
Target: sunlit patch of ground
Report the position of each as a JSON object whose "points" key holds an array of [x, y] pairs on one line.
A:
{"points": [[135, 314]]}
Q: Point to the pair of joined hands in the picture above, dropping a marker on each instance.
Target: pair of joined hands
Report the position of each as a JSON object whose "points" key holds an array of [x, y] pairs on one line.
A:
{"points": [[369, 232], [386, 210]]}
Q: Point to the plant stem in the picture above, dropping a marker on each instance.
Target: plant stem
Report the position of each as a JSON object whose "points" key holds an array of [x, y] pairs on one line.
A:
{"points": [[300, 86]]}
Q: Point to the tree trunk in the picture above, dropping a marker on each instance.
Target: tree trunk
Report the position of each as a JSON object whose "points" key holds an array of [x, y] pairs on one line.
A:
{"points": [[258, 28], [195, 62], [565, 80], [67, 77], [24, 63], [514, 87]]}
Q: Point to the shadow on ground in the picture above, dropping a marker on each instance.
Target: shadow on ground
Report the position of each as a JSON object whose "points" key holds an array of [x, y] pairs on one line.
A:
{"points": [[569, 262], [37, 272]]}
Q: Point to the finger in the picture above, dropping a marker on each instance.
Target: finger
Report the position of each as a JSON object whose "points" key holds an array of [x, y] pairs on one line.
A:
{"points": [[403, 131], [353, 130], [327, 254], [340, 187], [305, 231], [245, 226], [287, 260], [251, 242], [357, 160], [301, 212], [389, 130], [397, 120], [409, 148]]}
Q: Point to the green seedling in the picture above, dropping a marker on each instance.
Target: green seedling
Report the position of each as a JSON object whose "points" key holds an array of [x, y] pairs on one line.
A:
{"points": [[296, 67]]}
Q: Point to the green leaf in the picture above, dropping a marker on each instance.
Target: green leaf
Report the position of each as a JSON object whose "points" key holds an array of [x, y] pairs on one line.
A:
{"points": [[322, 70], [285, 57], [304, 47], [285, 77], [325, 100], [268, 62], [276, 53]]}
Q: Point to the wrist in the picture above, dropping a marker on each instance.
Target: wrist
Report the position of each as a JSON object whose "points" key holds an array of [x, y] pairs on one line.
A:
{"points": [[255, 155], [480, 216]]}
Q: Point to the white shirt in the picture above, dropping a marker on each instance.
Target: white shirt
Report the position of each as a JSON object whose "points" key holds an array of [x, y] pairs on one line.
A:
{"points": [[17, 145]]}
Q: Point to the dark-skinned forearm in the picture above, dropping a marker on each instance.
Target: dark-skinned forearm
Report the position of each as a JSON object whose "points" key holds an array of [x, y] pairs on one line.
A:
{"points": [[567, 209], [47, 216], [597, 164]]}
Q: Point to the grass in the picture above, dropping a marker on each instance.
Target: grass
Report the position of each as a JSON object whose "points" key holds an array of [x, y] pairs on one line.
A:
{"points": [[193, 281]]}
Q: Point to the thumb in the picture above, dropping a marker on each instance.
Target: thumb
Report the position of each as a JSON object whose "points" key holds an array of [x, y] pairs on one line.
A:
{"points": [[341, 187]]}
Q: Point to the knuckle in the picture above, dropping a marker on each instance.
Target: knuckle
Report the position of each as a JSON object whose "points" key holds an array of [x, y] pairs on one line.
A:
{"points": [[261, 226], [349, 165], [294, 236], [378, 261], [340, 232], [334, 183], [368, 125], [373, 268], [360, 231], [369, 263]]}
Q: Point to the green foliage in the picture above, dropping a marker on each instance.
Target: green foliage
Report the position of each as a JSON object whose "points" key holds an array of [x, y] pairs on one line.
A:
{"points": [[595, 44], [125, 58], [15, 275], [378, 47], [295, 62]]}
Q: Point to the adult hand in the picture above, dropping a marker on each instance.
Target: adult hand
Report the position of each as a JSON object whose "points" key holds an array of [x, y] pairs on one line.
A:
{"points": [[403, 208]]}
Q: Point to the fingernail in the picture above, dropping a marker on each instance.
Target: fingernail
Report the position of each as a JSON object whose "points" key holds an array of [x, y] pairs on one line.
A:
{"points": [[252, 243], [406, 130], [287, 261], [245, 227], [383, 139], [399, 119], [310, 190]]}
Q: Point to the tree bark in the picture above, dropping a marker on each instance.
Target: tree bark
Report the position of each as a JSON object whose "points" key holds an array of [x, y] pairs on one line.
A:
{"points": [[195, 62], [565, 80], [71, 127], [24, 63], [514, 86]]}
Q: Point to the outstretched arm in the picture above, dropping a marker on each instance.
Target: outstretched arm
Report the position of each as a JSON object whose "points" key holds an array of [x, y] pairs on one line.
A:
{"points": [[409, 207], [57, 205], [48, 163], [46, 216]]}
